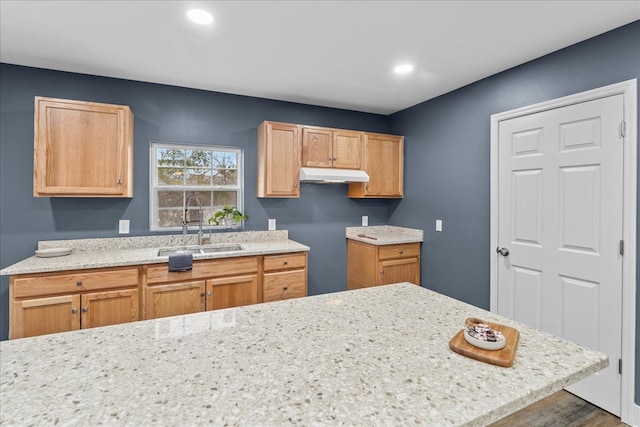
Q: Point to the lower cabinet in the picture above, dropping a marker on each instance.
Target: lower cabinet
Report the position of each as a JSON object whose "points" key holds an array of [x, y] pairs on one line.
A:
{"points": [[59, 302], [374, 265], [65, 301], [284, 277], [209, 285]]}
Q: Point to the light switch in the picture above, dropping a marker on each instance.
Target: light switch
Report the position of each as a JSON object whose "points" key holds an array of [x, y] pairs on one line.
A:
{"points": [[123, 226], [272, 224], [438, 225]]}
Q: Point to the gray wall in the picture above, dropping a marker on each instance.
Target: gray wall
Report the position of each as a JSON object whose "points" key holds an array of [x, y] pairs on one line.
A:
{"points": [[447, 156], [446, 169]]}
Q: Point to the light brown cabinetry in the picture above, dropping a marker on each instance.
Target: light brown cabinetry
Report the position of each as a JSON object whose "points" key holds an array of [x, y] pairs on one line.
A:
{"points": [[331, 148], [210, 285], [384, 163], [284, 277], [279, 151], [374, 265], [58, 302], [82, 149]]}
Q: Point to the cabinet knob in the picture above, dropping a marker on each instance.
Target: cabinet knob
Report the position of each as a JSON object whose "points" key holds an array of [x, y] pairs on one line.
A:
{"points": [[209, 293], [286, 263], [85, 309], [295, 185], [382, 272], [286, 288], [79, 283], [201, 294], [74, 310], [330, 158], [401, 252], [119, 181], [366, 187]]}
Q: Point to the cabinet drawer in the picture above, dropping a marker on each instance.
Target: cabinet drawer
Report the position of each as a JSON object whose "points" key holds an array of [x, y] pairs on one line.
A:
{"points": [[284, 285], [406, 250], [159, 273], [285, 262], [78, 281]]}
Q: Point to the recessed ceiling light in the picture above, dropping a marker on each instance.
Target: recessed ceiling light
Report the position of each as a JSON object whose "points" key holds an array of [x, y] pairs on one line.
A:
{"points": [[403, 69], [200, 16]]}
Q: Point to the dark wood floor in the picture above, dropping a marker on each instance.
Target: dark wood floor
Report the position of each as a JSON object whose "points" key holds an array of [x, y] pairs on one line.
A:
{"points": [[561, 409]]}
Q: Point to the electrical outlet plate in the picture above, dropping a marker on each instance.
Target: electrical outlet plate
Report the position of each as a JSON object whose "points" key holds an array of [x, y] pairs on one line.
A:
{"points": [[272, 224], [365, 220], [123, 226], [438, 225]]}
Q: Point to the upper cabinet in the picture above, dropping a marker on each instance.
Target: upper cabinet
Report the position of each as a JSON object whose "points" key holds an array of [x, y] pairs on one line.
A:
{"points": [[82, 149], [278, 160], [331, 148], [283, 148], [384, 163]]}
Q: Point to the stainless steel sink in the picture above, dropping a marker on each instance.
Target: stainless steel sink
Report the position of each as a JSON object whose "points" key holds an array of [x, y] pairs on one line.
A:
{"points": [[233, 247], [222, 248], [174, 250]]}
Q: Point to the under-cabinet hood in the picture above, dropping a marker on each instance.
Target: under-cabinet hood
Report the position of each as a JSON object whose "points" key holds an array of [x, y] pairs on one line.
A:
{"points": [[327, 176]]}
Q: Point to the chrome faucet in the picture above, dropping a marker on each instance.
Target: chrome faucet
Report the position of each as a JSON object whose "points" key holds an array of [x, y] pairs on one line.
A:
{"points": [[185, 220]]}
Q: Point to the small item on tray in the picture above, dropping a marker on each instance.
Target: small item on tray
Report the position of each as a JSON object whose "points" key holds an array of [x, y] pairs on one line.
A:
{"points": [[481, 335]]}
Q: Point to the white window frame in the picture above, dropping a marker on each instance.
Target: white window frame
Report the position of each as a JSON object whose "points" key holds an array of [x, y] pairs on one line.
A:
{"points": [[154, 187]]}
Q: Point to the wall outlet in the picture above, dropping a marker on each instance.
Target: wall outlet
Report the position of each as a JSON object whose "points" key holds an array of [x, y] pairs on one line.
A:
{"points": [[438, 225], [272, 224], [365, 220], [123, 226]]}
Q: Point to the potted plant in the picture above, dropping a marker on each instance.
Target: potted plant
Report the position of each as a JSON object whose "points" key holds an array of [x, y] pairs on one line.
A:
{"points": [[228, 216]]}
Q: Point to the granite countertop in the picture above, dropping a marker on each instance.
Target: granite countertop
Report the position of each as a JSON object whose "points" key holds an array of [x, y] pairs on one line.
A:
{"points": [[384, 234], [373, 356], [123, 251]]}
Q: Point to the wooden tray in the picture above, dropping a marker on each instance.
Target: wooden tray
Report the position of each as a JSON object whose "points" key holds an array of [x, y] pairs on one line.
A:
{"points": [[504, 357]]}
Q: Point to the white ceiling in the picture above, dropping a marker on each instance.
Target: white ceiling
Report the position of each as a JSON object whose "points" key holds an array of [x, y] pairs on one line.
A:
{"points": [[330, 53]]}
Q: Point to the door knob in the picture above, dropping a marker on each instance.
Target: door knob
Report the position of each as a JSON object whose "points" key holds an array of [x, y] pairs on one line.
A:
{"points": [[503, 251]]}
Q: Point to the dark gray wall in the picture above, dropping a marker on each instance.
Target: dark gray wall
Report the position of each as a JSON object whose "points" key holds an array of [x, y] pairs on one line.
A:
{"points": [[165, 113], [447, 156]]}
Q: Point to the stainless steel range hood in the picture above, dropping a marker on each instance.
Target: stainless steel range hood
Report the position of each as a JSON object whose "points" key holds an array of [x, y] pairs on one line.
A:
{"points": [[327, 176]]}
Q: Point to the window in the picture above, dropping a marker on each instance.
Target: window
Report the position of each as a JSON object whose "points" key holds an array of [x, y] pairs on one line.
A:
{"points": [[211, 174]]}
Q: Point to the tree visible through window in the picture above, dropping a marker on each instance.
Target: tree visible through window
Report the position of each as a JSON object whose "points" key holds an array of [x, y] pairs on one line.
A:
{"points": [[213, 174]]}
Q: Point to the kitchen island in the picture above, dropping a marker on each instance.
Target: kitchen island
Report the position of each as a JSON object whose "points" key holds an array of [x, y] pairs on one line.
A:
{"points": [[374, 356]]}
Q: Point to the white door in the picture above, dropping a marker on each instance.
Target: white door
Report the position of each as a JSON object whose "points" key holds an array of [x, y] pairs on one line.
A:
{"points": [[560, 218]]}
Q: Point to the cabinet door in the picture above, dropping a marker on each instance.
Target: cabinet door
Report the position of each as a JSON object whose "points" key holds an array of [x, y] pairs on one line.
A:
{"points": [[317, 147], [284, 285], [82, 149], [279, 148], [174, 299], [384, 163], [347, 149], [109, 308], [44, 316], [399, 270], [232, 291]]}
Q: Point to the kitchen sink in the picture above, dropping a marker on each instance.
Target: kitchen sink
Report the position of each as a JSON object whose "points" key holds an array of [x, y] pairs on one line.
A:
{"points": [[222, 248], [199, 249], [176, 249]]}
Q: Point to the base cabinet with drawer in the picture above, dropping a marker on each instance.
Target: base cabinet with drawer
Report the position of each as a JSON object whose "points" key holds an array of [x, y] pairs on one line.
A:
{"points": [[374, 265], [284, 277], [209, 285], [59, 302]]}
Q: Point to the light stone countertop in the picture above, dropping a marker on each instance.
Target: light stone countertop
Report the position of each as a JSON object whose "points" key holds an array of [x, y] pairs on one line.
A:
{"points": [[384, 234], [376, 356], [123, 251]]}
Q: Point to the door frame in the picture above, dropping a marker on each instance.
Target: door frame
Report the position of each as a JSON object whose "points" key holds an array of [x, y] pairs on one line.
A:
{"points": [[629, 411]]}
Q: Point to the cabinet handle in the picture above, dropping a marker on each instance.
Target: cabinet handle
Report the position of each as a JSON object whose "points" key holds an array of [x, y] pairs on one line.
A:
{"points": [[85, 309], [79, 283], [74, 310], [366, 187]]}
